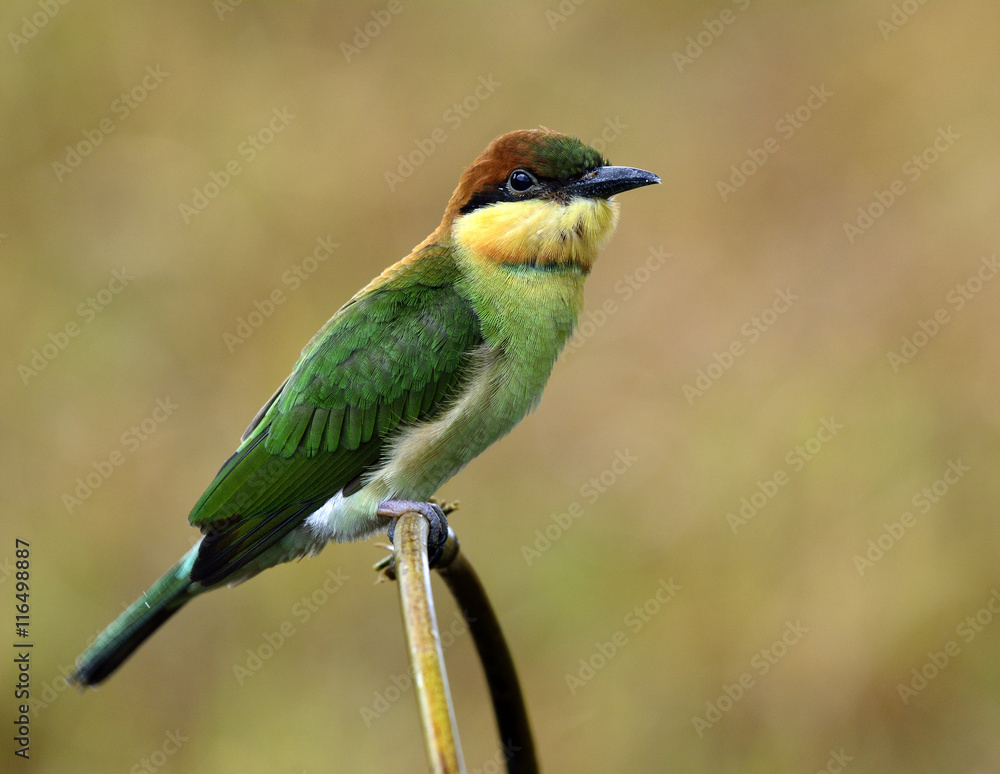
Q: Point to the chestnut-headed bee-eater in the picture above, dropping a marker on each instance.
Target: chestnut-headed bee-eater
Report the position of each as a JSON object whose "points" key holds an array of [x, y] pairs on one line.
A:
{"points": [[425, 367]]}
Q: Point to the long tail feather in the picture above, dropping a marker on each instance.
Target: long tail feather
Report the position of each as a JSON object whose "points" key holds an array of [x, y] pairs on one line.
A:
{"points": [[117, 642]]}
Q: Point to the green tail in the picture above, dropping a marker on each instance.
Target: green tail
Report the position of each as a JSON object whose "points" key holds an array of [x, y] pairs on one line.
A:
{"points": [[141, 619]]}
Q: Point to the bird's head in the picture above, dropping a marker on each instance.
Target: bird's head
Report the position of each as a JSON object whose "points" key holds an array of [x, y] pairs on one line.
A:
{"points": [[538, 198]]}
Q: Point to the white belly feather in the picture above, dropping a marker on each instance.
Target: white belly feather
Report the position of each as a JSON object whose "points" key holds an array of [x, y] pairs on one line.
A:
{"points": [[426, 455]]}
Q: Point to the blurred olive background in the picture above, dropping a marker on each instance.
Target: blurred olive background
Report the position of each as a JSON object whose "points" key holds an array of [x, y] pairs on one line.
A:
{"points": [[169, 173]]}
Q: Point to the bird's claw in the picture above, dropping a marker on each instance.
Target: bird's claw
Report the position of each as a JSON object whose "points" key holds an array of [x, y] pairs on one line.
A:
{"points": [[435, 515], [448, 507]]}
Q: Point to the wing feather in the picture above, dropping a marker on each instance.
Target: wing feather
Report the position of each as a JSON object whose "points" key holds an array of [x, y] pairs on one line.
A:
{"points": [[388, 358]]}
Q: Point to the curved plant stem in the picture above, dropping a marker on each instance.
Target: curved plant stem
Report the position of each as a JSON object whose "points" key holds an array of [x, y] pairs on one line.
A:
{"points": [[424, 644], [409, 566], [505, 690]]}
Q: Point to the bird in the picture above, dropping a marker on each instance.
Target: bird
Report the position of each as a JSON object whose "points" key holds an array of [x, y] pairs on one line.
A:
{"points": [[419, 372]]}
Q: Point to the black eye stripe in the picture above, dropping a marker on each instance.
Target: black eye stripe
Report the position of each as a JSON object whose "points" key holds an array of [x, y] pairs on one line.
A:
{"points": [[505, 192], [485, 197], [499, 192]]}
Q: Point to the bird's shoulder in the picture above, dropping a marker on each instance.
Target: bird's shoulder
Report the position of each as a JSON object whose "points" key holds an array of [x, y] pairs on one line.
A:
{"points": [[384, 357], [393, 355]]}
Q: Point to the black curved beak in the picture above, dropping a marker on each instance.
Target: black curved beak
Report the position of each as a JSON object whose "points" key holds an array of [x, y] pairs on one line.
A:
{"points": [[608, 181]]}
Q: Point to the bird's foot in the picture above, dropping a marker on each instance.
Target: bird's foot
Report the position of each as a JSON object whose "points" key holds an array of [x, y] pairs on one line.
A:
{"points": [[448, 507], [431, 511]]}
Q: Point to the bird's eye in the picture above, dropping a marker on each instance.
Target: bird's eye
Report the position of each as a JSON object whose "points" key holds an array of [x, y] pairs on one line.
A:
{"points": [[521, 181]]}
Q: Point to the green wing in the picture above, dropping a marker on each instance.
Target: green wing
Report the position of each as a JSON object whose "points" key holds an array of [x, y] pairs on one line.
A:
{"points": [[386, 359]]}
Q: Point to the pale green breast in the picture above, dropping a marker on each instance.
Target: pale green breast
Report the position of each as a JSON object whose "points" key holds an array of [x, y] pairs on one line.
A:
{"points": [[526, 317]]}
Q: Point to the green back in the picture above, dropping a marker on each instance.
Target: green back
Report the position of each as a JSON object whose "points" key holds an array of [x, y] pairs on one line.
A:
{"points": [[387, 359]]}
